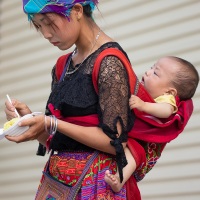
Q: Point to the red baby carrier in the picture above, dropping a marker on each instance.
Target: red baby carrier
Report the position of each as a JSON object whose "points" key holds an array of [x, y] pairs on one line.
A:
{"points": [[149, 132]]}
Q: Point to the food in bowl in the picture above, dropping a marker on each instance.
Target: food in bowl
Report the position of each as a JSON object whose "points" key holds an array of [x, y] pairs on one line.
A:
{"points": [[10, 123], [11, 127]]}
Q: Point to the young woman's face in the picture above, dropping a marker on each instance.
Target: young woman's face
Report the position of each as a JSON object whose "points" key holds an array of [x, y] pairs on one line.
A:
{"points": [[57, 29], [158, 80]]}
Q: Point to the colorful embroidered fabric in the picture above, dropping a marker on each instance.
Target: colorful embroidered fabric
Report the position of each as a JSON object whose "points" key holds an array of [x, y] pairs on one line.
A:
{"points": [[67, 167], [57, 6], [153, 153]]}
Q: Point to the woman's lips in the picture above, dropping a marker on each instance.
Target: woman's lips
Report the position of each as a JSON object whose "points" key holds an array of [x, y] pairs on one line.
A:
{"points": [[55, 43]]}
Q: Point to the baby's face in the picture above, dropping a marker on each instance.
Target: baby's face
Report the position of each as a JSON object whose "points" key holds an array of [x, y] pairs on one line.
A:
{"points": [[157, 80]]}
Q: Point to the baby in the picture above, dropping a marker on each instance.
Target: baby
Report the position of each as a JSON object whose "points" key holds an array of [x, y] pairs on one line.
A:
{"points": [[168, 78]]}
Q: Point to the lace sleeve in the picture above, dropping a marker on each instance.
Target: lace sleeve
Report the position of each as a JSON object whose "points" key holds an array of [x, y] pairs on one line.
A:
{"points": [[114, 93]]}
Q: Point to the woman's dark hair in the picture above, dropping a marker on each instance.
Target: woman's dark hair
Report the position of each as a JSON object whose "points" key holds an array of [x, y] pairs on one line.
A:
{"points": [[87, 10], [186, 79]]}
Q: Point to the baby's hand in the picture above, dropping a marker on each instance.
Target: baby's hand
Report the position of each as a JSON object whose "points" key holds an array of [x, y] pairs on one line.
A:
{"points": [[136, 102]]}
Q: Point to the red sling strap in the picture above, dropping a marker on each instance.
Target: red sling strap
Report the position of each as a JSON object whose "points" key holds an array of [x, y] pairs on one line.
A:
{"points": [[146, 127], [141, 92], [60, 64], [134, 88]]}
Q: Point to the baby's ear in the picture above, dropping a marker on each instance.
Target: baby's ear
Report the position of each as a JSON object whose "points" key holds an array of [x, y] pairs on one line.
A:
{"points": [[172, 91]]}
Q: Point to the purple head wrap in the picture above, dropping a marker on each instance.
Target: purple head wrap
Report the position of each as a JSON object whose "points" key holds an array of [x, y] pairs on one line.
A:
{"points": [[57, 6]]}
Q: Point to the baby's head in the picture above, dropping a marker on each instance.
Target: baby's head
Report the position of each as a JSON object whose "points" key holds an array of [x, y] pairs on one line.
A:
{"points": [[171, 75]]}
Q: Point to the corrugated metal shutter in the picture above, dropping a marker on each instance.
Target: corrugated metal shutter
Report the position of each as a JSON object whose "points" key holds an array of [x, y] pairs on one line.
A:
{"points": [[147, 30]]}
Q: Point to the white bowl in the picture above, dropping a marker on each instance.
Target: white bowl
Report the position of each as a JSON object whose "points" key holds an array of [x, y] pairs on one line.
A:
{"points": [[16, 130]]}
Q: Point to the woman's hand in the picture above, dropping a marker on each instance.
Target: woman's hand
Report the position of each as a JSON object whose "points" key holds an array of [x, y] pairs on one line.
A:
{"points": [[21, 108], [36, 130]]}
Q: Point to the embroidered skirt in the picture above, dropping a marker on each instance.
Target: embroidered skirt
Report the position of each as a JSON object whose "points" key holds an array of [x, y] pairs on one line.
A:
{"points": [[68, 166]]}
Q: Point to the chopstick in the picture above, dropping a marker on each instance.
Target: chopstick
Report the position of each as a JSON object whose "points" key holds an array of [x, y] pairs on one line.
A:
{"points": [[12, 104]]}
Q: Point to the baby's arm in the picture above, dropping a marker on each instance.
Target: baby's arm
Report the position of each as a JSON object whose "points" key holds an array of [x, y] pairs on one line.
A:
{"points": [[160, 110]]}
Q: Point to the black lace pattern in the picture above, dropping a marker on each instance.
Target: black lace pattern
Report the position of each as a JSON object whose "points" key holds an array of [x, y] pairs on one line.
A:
{"points": [[75, 96]]}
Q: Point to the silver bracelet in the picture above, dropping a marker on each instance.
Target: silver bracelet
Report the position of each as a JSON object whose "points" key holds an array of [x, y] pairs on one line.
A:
{"points": [[53, 125]]}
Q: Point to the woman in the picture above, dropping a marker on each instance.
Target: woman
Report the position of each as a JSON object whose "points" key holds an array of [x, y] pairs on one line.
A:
{"points": [[77, 120]]}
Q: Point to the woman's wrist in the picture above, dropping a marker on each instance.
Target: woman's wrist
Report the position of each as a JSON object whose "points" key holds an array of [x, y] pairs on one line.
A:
{"points": [[51, 124]]}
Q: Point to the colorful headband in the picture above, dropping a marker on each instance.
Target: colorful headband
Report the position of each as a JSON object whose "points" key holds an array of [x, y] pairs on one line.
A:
{"points": [[57, 6]]}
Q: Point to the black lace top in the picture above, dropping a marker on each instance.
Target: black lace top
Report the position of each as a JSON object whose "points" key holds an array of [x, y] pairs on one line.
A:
{"points": [[75, 96]]}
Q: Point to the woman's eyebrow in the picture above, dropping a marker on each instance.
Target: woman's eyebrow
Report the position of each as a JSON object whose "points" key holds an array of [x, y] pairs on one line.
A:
{"points": [[42, 19]]}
